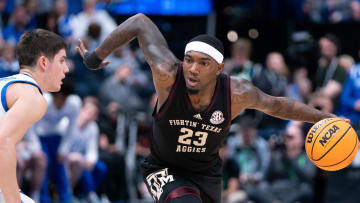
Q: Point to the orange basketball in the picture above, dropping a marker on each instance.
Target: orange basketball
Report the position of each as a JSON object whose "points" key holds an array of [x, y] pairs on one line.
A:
{"points": [[331, 144]]}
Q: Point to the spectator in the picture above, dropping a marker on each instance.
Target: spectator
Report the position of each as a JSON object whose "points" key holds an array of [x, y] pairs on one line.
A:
{"points": [[290, 175], [275, 84], [330, 76], [252, 155], [63, 19], [92, 38], [51, 23], [2, 9], [346, 61], [115, 186], [300, 87], [85, 170], [240, 63], [139, 78], [31, 7], [17, 25], [8, 63], [321, 102], [87, 81], [230, 173], [328, 11], [119, 88], [90, 15], [54, 130], [350, 98], [122, 56], [275, 61], [355, 9]]}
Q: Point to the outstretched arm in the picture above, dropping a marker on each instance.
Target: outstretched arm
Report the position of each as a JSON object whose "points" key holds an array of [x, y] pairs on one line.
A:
{"points": [[161, 60], [245, 95]]}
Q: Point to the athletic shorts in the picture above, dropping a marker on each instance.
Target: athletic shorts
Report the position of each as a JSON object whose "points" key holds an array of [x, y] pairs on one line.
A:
{"points": [[161, 181]]}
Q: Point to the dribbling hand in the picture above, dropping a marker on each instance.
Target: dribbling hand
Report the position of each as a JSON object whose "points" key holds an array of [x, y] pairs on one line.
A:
{"points": [[90, 60]]}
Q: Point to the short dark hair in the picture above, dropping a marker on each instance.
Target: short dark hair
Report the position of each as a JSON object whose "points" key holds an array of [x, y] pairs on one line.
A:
{"points": [[211, 40], [34, 43], [334, 39]]}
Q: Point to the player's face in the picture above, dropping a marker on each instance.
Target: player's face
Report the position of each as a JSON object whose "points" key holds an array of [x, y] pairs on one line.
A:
{"points": [[200, 70], [57, 70]]}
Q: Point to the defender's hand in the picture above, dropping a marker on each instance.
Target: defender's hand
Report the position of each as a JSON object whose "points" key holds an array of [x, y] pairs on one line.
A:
{"points": [[91, 60]]}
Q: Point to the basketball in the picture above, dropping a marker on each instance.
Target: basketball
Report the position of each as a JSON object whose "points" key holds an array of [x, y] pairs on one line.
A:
{"points": [[331, 144]]}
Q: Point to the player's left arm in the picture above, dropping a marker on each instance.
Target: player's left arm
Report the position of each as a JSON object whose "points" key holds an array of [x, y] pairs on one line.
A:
{"points": [[244, 95]]}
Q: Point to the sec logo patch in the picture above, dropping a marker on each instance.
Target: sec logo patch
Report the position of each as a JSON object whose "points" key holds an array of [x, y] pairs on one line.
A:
{"points": [[217, 117]]}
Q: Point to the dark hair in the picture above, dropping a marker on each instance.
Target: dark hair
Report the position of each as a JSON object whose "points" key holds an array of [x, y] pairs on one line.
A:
{"points": [[334, 39], [94, 31], [34, 43], [210, 40]]}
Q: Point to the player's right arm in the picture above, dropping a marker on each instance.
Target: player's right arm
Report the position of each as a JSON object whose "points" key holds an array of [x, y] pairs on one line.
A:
{"points": [[153, 44], [26, 106]]}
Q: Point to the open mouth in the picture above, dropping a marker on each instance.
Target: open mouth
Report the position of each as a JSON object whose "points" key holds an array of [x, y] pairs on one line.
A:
{"points": [[192, 82]]}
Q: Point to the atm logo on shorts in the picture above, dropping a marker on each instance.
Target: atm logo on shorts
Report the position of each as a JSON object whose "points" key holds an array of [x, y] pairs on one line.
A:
{"points": [[328, 135], [156, 181]]}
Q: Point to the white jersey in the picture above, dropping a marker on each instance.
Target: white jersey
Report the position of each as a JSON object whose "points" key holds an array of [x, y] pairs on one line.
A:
{"points": [[23, 197], [4, 84]]}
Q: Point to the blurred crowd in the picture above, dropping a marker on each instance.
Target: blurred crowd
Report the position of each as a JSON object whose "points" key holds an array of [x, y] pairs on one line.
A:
{"points": [[264, 156], [96, 130], [314, 11]]}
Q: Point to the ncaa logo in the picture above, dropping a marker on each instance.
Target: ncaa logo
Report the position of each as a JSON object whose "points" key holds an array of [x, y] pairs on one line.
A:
{"points": [[217, 117]]}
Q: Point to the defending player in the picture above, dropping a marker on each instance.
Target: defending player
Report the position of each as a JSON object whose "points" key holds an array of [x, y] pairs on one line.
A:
{"points": [[42, 59]]}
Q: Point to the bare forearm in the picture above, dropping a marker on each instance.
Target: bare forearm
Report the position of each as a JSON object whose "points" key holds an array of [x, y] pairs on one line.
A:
{"points": [[290, 109], [8, 181], [138, 26]]}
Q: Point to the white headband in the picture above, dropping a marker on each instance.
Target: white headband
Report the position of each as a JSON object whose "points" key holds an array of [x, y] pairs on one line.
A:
{"points": [[206, 49]]}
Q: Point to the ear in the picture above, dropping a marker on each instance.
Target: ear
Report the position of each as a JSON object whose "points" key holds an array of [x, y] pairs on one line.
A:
{"points": [[220, 68], [42, 63]]}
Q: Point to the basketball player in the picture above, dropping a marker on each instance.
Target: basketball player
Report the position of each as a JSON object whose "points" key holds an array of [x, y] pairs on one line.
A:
{"points": [[42, 59], [195, 106]]}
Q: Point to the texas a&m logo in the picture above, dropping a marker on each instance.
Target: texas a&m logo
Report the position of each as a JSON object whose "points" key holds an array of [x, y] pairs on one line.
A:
{"points": [[157, 180]]}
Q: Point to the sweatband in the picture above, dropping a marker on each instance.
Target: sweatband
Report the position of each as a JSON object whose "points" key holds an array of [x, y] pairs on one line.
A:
{"points": [[206, 49], [91, 60]]}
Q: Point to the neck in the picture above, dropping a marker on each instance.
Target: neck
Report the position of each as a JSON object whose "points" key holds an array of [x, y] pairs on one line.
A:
{"points": [[202, 99], [35, 76]]}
